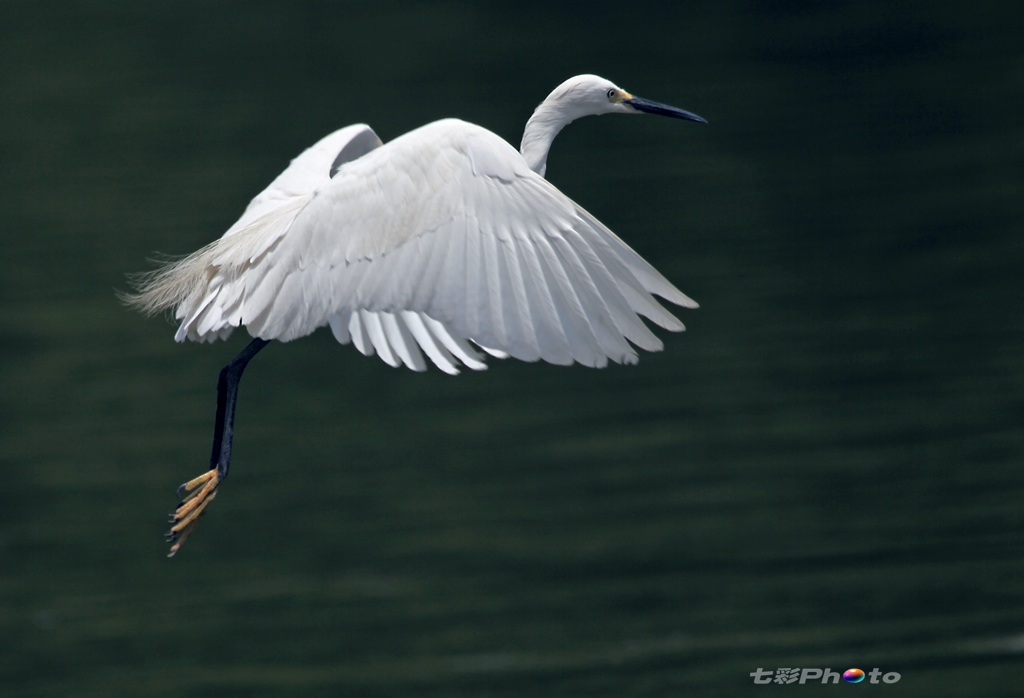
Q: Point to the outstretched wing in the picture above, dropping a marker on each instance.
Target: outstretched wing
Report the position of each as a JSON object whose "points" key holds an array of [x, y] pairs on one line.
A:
{"points": [[441, 237]]}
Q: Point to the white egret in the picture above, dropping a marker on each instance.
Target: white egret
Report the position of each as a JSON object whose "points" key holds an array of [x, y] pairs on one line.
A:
{"points": [[440, 242]]}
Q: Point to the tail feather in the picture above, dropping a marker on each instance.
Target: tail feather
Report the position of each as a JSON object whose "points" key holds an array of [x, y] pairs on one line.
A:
{"points": [[172, 285], [187, 284]]}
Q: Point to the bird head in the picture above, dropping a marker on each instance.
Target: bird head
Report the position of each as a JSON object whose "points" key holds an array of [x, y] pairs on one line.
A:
{"points": [[584, 95]]}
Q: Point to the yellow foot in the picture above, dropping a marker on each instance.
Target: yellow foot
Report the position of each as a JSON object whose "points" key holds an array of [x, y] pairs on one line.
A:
{"points": [[188, 513]]}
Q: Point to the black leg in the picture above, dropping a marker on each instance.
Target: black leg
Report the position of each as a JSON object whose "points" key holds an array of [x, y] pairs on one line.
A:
{"points": [[204, 488], [227, 395]]}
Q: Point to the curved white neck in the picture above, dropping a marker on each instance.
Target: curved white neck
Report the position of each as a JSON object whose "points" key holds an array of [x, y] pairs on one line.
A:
{"points": [[541, 129]]}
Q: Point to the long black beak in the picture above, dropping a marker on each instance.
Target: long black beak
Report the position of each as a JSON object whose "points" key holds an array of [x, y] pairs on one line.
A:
{"points": [[641, 104]]}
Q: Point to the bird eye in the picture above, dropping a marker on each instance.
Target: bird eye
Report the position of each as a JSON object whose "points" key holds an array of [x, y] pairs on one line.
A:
{"points": [[611, 93]]}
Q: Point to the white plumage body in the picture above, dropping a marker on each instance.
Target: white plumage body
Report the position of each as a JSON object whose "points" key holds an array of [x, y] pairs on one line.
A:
{"points": [[439, 240]]}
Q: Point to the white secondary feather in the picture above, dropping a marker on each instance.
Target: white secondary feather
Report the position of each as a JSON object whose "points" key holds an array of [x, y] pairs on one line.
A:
{"points": [[442, 237]]}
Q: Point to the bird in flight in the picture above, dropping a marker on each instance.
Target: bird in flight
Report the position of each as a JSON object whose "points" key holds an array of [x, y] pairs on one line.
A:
{"points": [[444, 242]]}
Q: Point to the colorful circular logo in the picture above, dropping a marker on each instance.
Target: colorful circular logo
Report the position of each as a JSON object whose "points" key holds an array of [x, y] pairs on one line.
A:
{"points": [[853, 675]]}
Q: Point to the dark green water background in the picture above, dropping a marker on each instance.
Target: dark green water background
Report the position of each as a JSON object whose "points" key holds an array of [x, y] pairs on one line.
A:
{"points": [[825, 470]]}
